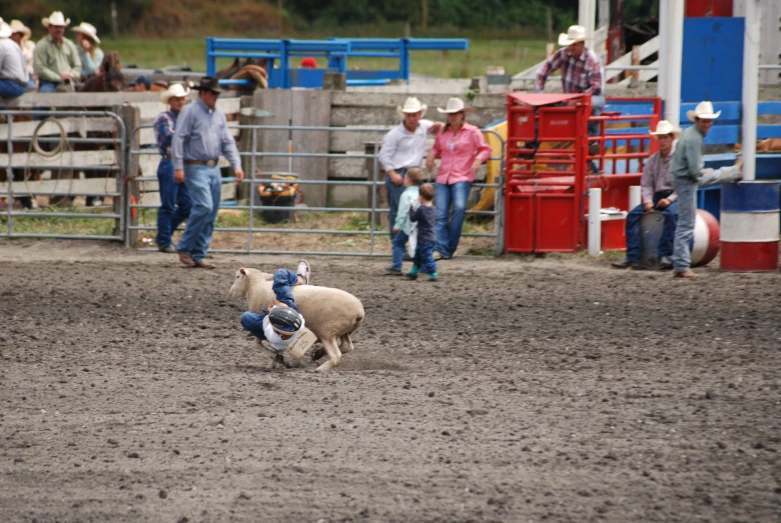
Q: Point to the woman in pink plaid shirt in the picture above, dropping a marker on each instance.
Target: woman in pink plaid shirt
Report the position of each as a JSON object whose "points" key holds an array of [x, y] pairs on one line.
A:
{"points": [[462, 148]]}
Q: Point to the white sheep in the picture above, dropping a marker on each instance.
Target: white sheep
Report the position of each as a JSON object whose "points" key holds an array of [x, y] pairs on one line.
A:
{"points": [[331, 314]]}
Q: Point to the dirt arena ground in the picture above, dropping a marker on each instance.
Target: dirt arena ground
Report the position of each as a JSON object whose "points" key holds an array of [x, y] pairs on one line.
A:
{"points": [[516, 389]]}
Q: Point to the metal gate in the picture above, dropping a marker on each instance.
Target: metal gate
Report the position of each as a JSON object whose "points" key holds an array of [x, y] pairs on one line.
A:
{"points": [[278, 239], [50, 169]]}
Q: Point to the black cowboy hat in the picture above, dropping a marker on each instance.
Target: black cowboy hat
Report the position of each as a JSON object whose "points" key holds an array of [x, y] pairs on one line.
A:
{"points": [[209, 83]]}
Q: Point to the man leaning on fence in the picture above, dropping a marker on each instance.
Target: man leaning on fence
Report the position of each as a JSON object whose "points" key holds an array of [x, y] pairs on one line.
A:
{"points": [[403, 147], [57, 62], [202, 134]]}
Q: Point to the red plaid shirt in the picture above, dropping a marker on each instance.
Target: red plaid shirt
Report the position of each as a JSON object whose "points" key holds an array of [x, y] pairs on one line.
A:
{"points": [[578, 75]]}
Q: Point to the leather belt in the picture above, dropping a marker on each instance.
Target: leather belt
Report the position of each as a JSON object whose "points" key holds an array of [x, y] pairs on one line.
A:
{"points": [[207, 163]]}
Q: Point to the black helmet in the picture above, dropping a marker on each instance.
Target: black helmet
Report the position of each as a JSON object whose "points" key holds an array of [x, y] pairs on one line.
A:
{"points": [[284, 320]]}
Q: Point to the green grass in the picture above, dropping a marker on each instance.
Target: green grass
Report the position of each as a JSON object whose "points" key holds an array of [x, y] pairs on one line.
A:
{"points": [[61, 226], [508, 53]]}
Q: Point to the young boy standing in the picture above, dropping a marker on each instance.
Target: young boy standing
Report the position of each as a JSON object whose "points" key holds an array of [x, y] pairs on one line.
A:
{"points": [[401, 227], [426, 218]]}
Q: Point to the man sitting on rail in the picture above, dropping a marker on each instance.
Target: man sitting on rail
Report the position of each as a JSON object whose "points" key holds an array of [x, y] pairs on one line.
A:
{"points": [[657, 195]]}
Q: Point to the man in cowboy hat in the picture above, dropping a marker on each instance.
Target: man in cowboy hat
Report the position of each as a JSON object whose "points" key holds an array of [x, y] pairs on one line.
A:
{"points": [[56, 58], [658, 195], [14, 79], [689, 174], [403, 147], [21, 35], [175, 201], [202, 134], [581, 71]]}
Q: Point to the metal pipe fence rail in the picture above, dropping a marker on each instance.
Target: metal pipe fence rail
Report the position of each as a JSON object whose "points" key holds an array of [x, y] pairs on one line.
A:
{"points": [[373, 210], [112, 186]]}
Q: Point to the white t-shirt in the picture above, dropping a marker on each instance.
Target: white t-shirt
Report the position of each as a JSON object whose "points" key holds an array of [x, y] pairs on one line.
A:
{"points": [[273, 337], [401, 148]]}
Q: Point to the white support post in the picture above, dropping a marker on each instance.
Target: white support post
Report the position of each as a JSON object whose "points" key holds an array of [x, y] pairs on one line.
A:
{"points": [[750, 87], [635, 197], [587, 15], [594, 221], [672, 90], [664, 59]]}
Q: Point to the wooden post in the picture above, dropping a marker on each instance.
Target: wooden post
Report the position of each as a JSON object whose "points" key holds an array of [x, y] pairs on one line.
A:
{"points": [[424, 17], [635, 61], [334, 81], [126, 183], [550, 48], [549, 23]]}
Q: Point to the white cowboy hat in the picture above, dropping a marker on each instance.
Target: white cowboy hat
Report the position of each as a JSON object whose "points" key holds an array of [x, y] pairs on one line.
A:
{"points": [[704, 110], [174, 90], [18, 27], [87, 29], [575, 33], [56, 18], [454, 105], [664, 128], [412, 105], [5, 29]]}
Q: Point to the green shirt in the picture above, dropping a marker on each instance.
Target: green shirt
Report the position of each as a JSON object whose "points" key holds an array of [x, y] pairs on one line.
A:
{"points": [[409, 195], [51, 60], [687, 162]]}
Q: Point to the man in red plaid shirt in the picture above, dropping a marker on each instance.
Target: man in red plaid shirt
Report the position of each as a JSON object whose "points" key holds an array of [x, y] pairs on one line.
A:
{"points": [[581, 71]]}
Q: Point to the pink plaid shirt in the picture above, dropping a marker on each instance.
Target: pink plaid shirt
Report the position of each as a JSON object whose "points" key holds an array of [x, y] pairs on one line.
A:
{"points": [[458, 152], [578, 75]]}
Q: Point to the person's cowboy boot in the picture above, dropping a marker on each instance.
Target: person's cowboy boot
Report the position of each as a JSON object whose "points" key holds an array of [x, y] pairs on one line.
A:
{"points": [[185, 258], [688, 273]]}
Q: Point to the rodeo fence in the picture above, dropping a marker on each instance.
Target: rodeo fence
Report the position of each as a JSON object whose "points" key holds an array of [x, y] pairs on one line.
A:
{"points": [[280, 164], [42, 159]]}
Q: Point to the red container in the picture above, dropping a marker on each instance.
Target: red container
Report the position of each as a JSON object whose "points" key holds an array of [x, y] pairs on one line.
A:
{"points": [[701, 8]]}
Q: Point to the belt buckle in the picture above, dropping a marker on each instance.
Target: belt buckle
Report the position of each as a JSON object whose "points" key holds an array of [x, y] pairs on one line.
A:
{"points": [[211, 163]]}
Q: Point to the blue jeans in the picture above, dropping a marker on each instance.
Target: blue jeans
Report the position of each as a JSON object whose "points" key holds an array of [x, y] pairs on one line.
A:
{"points": [[633, 243], [424, 257], [253, 322], [9, 89], [175, 203], [449, 231], [399, 247], [684, 230], [597, 105], [283, 280], [204, 185], [394, 195], [45, 87]]}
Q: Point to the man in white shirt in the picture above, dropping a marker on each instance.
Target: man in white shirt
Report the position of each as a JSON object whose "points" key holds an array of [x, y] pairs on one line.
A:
{"points": [[403, 148], [14, 79]]}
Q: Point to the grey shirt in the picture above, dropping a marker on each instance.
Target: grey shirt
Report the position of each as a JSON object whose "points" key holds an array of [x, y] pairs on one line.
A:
{"points": [[687, 162], [657, 177], [202, 134], [13, 66]]}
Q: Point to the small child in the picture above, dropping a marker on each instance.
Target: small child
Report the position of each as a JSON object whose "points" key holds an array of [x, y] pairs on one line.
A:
{"points": [[281, 324], [426, 217], [401, 227]]}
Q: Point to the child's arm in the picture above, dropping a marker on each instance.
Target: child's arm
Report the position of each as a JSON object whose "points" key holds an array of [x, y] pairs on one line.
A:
{"points": [[414, 214]]}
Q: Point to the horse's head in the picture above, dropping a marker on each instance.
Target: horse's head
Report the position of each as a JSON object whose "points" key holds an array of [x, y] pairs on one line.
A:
{"points": [[113, 80]]}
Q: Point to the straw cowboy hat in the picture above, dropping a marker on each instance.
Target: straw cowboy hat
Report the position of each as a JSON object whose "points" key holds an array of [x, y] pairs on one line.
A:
{"points": [[704, 110], [174, 91], [56, 18], [18, 27], [454, 105], [575, 33], [87, 29], [664, 128], [412, 105], [5, 29]]}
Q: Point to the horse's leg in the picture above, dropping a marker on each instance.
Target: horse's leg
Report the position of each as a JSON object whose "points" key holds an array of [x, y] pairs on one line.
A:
{"points": [[334, 355]]}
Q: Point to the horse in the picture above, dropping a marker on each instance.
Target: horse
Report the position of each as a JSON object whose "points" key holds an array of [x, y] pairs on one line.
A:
{"points": [[108, 79], [250, 69]]}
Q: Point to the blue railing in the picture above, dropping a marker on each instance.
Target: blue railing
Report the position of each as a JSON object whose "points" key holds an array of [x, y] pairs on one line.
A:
{"points": [[283, 74]]}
